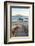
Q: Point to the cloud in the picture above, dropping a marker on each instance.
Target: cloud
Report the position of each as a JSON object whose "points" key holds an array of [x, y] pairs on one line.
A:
{"points": [[23, 12]]}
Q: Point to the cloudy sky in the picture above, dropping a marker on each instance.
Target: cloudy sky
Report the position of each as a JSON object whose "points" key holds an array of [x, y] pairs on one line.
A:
{"points": [[21, 11]]}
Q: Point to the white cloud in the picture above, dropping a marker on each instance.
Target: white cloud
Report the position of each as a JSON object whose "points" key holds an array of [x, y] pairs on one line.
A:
{"points": [[23, 12]]}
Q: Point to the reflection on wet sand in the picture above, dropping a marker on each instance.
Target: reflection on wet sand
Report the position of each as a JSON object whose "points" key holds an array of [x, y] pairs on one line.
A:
{"points": [[19, 30]]}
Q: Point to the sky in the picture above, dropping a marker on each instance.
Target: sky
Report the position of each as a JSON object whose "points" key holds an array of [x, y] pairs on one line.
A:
{"points": [[21, 11]]}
